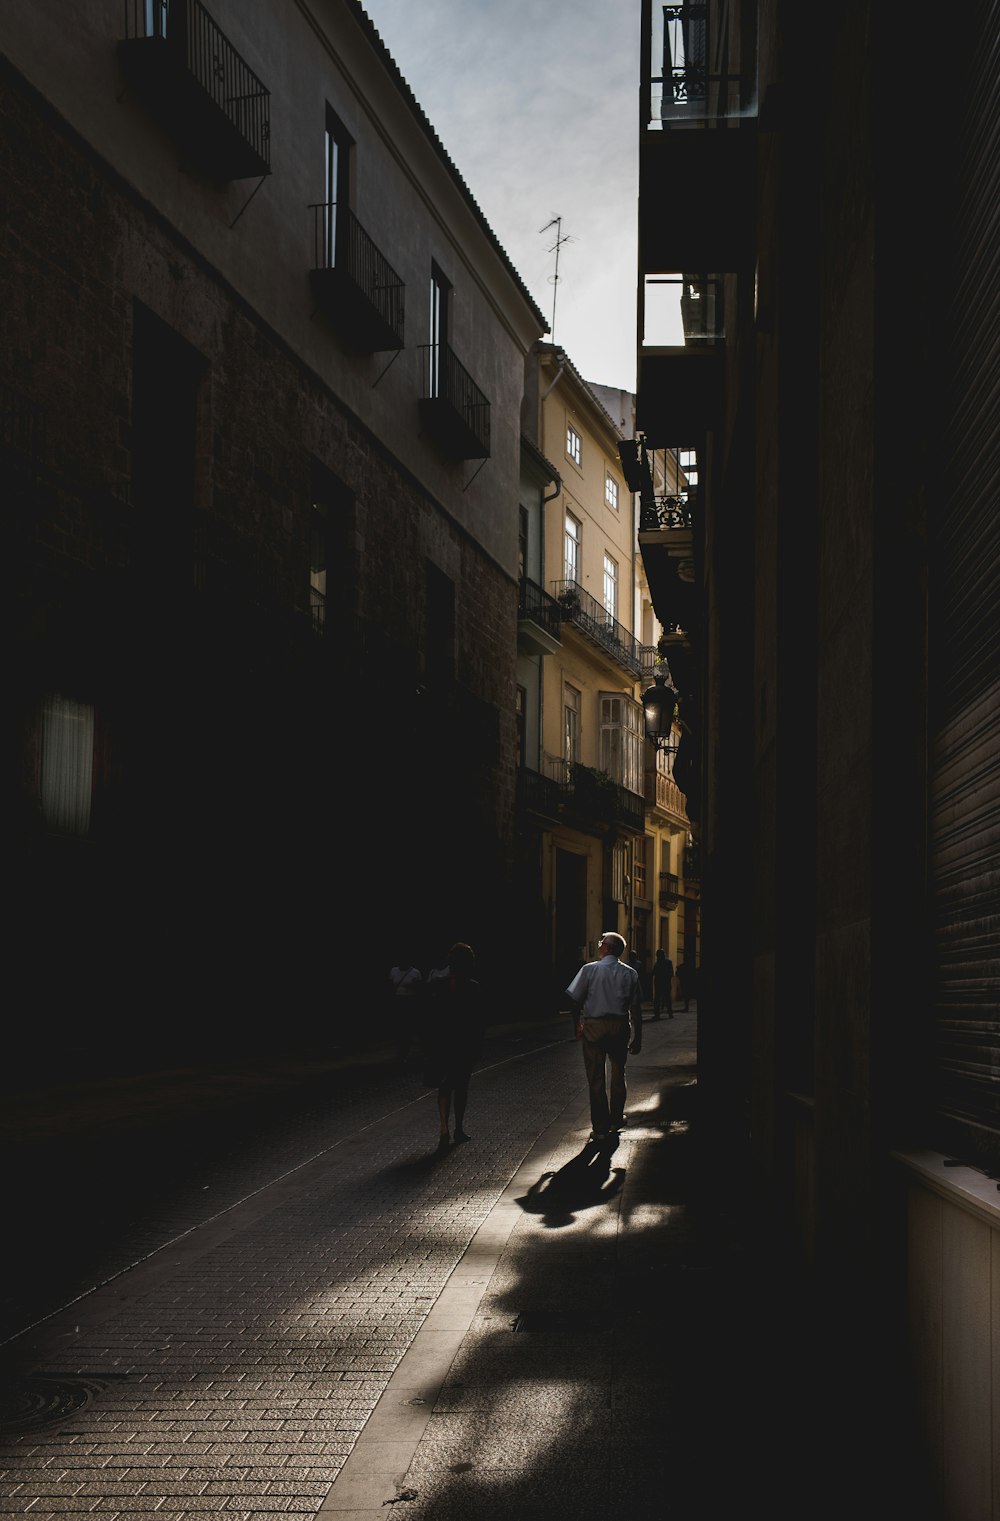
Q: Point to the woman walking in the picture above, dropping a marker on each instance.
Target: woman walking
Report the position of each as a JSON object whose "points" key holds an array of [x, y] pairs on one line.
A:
{"points": [[454, 1034]]}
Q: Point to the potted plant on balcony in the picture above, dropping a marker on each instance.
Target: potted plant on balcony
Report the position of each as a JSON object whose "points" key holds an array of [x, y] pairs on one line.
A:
{"points": [[569, 601]]}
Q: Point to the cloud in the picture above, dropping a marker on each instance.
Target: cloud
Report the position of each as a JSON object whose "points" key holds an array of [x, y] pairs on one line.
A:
{"points": [[538, 109]]}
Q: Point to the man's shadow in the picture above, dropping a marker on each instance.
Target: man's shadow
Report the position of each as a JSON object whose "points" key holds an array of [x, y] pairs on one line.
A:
{"points": [[585, 1181]]}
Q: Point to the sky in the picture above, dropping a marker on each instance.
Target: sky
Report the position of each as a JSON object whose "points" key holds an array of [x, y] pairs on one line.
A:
{"points": [[537, 105]]}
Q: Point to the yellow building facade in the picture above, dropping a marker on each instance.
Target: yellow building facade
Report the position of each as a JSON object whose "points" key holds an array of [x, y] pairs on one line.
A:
{"points": [[612, 833]]}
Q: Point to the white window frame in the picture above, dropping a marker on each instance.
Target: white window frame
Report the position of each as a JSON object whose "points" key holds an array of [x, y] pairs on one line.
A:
{"points": [[572, 537], [622, 740], [611, 491], [571, 724], [574, 445], [610, 586]]}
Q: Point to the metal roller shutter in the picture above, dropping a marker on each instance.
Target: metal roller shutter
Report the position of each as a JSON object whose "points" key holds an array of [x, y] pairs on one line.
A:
{"points": [[965, 645]]}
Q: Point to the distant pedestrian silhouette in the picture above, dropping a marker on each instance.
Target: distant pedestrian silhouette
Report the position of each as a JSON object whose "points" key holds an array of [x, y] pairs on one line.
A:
{"points": [[663, 984], [454, 1028]]}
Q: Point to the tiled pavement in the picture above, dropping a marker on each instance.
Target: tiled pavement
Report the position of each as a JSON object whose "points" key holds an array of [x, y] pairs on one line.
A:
{"points": [[523, 1327]]}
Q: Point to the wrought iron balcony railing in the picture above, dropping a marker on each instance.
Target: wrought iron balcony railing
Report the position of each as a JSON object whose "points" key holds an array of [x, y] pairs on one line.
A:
{"points": [[540, 794], [567, 787], [453, 408], [593, 619], [670, 889], [185, 69], [692, 863], [536, 606], [354, 281], [693, 72]]}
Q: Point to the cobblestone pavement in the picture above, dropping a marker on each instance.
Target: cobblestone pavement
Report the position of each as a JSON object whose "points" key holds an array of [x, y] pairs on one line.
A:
{"points": [[235, 1369], [526, 1327], [100, 1178]]}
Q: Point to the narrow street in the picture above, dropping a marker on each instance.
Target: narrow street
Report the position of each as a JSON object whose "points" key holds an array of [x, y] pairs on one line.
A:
{"points": [[290, 1275], [305, 1309]]}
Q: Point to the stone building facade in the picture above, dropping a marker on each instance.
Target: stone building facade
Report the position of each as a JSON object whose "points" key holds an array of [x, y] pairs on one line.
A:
{"points": [[263, 524]]}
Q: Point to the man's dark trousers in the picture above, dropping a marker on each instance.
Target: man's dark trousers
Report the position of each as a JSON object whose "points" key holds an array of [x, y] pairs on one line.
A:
{"points": [[606, 1041]]}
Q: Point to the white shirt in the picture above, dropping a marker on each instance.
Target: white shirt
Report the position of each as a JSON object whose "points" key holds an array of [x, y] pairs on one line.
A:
{"points": [[606, 987], [406, 981]]}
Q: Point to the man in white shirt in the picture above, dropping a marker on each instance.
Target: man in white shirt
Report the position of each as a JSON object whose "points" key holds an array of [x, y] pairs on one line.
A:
{"points": [[608, 999]]}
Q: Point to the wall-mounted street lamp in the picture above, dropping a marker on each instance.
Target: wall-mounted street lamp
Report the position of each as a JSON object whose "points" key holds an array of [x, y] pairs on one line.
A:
{"points": [[659, 704]]}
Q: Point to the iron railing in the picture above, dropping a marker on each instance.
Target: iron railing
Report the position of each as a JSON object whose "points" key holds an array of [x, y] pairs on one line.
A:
{"points": [[541, 794], [594, 620], [670, 889], [536, 605], [211, 60], [567, 786], [340, 242], [692, 863], [445, 378], [691, 65]]}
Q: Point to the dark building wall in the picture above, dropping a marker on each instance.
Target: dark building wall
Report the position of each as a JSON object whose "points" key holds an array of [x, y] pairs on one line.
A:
{"points": [[273, 803]]}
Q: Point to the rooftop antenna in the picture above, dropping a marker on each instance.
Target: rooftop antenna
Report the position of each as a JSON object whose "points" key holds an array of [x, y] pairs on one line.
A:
{"points": [[556, 222]]}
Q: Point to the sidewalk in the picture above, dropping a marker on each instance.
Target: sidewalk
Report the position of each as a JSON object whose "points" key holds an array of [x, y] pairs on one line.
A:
{"points": [[524, 1327]]}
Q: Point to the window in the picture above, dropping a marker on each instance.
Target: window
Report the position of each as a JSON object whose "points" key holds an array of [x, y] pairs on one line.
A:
{"points": [[665, 763], [337, 145], [574, 447], [520, 707], [166, 374], [571, 550], [440, 289], [332, 572], [640, 867], [571, 724], [619, 861], [610, 587], [318, 534], [611, 492], [622, 739], [440, 657], [67, 765], [522, 543]]}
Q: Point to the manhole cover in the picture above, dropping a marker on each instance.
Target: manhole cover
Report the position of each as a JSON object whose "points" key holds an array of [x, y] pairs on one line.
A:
{"points": [[39, 1399]]}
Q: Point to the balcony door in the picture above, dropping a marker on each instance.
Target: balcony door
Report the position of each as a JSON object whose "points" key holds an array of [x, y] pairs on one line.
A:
{"points": [[440, 290], [337, 144]]}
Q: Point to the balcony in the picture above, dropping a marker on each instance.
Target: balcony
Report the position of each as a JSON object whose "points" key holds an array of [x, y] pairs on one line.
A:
{"points": [[669, 532], [539, 619], [698, 140], [588, 615], [663, 793], [670, 890], [680, 357], [598, 798], [538, 794], [692, 863], [355, 286], [191, 79], [453, 410], [567, 790]]}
